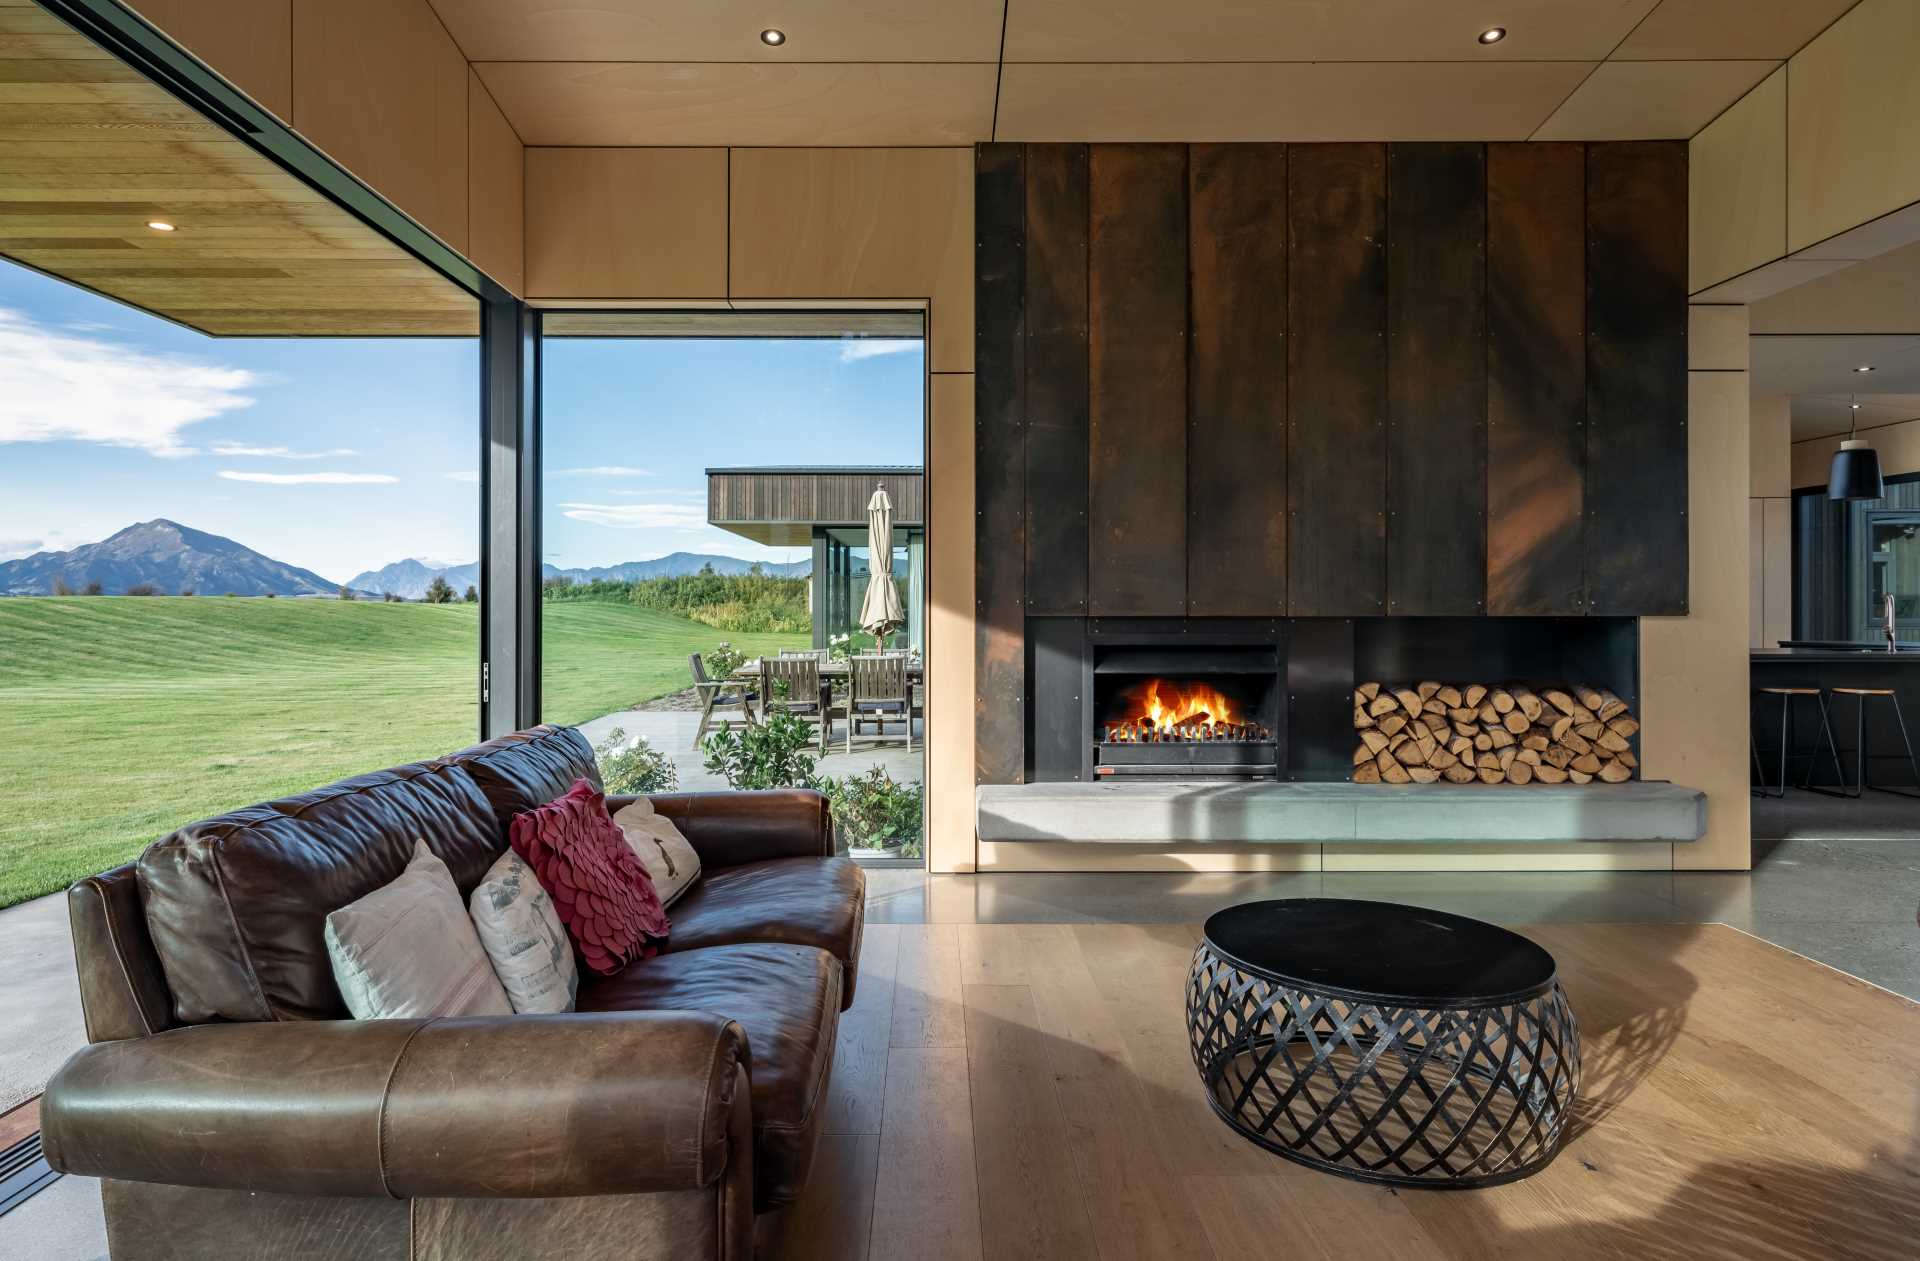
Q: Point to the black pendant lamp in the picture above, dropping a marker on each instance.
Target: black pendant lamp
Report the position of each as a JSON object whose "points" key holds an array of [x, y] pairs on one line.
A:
{"points": [[1855, 473]]}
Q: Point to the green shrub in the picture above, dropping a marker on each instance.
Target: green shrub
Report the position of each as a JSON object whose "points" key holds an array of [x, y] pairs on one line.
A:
{"points": [[750, 603], [873, 811], [635, 769], [722, 660], [771, 754], [439, 591]]}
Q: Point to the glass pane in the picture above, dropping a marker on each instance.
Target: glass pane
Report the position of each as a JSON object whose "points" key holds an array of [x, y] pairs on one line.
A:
{"points": [[245, 568], [705, 526], [1893, 552]]}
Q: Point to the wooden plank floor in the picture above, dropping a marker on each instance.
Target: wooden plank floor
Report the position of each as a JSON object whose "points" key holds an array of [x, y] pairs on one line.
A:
{"points": [[1015, 1092]]}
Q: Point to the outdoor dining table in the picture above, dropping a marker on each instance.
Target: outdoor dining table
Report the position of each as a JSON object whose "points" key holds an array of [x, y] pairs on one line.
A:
{"points": [[832, 670]]}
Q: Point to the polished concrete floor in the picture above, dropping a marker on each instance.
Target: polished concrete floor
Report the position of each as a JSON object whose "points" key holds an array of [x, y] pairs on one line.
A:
{"points": [[1837, 881]]}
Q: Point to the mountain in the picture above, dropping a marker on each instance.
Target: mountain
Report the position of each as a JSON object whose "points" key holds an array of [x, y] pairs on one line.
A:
{"points": [[409, 578], [165, 555]]}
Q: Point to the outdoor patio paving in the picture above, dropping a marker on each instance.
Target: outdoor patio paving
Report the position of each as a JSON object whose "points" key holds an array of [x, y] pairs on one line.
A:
{"points": [[671, 731]]}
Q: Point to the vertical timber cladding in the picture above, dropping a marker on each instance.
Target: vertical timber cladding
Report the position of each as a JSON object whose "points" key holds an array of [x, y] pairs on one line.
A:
{"points": [[999, 465], [1536, 378], [1336, 380], [1436, 379], [1137, 378], [1056, 389], [1237, 410], [1636, 468]]}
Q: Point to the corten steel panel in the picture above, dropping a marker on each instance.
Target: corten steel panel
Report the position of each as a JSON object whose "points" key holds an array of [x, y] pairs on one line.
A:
{"points": [[1137, 286], [1237, 415], [1062, 701], [1056, 367], [1536, 378], [1636, 483], [1436, 379], [1336, 380], [1000, 467]]}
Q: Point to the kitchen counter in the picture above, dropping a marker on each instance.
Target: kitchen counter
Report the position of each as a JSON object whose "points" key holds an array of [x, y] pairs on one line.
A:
{"points": [[1828, 667]]}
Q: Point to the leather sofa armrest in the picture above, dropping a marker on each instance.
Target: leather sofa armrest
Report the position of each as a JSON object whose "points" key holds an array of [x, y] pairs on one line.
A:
{"points": [[495, 1106], [730, 828]]}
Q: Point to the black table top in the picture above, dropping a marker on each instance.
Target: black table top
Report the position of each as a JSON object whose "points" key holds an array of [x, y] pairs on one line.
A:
{"points": [[1380, 951]]}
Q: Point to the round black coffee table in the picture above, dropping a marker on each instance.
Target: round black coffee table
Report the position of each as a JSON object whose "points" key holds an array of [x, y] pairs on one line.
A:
{"points": [[1381, 1042]]}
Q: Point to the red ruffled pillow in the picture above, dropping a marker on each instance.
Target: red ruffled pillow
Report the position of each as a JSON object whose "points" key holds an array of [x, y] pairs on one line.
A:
{"points": [[603, 894]]}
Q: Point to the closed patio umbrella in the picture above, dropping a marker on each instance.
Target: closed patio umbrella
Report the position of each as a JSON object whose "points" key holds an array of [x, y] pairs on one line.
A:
{"points": [[880, 612]]}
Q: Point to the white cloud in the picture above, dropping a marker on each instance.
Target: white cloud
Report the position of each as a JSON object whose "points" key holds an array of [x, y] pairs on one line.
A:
{"points": [[464, 475], [855, 349], [277, 453], [603, 470], [13, 549], [653, 516], [56, 386], [311, 479]]}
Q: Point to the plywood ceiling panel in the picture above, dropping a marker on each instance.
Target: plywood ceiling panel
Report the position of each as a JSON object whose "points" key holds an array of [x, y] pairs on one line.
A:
{"points": [[1298, 102], [1830, 415], [724, 30], [1688, 30], [1652, 100], [1317, 30], [632, 103], [90, 152]]}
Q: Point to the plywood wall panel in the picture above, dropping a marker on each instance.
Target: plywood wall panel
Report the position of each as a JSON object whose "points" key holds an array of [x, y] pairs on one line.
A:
{"points": [[496, 191], [380, 86], [1137, 369], [1056, 378], [626, 223], [1737, 177], [859, 223], [1636, 468], [950, 622], [249, 43], [1436, 379], [1000, 465], [1237, 411], [1536, 378], [1336, 374]]}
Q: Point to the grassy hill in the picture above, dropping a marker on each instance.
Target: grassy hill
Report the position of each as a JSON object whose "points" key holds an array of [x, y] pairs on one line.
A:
{"points": [[123, 718]]}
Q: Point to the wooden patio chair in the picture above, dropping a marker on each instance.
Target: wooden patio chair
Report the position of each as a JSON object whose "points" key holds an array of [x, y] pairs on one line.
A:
{"points": [[881, 692], [718, 694], [806, 693]]}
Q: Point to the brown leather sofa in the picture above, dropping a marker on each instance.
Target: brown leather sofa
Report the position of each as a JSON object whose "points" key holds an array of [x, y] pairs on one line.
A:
{"points": [[233, 1109]]}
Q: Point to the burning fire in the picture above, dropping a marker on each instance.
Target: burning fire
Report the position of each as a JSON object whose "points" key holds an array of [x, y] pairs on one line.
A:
{"points": [[1162, 711]]}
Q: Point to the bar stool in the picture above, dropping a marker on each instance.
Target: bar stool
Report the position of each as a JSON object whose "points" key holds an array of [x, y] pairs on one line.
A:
{"points": [[1787, 696], [1860, 697]]}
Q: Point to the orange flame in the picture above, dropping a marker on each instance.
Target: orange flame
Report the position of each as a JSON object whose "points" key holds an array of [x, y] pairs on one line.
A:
{"points": [[1166, 704]]}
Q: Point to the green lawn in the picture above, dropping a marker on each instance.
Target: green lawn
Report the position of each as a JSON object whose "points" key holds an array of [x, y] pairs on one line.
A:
{"points": [[123, 718]]}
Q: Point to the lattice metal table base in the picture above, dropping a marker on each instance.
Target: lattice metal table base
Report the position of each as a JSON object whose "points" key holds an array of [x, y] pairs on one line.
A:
{"points": [[1464, 1096]]}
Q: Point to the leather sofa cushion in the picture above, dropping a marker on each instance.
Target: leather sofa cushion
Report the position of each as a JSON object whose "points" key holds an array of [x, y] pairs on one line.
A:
{"points": [[787, 998], [237, 905], [806, 901], [528, 768]]}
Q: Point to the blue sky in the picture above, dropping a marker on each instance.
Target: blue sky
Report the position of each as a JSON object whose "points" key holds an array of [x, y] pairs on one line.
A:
{"points": [[344, 455]]}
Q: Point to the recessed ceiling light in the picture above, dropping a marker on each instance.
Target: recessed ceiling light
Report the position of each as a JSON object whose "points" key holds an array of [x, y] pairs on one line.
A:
{"points": [[1855, 407], [1865, 367], [1493, 34], [159, 225], [773, 37]]}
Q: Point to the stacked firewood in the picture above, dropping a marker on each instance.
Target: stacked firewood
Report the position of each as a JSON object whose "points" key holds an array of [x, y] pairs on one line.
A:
{"points": [[1491, 735]]}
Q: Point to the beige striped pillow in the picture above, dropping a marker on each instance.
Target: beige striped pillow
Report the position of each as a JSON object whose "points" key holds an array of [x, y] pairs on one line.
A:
{"points": [[408, 949]]}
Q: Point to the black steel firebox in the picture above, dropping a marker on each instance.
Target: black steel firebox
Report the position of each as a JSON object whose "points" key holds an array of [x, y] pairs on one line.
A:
{"points": [[1208, 698]]}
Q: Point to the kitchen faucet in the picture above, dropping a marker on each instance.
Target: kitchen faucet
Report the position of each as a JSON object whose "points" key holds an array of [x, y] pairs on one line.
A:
{"points": [[1887, 628]]}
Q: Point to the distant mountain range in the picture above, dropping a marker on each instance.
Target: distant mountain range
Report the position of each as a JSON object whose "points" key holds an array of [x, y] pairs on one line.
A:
{"points": [[410, 578], [172, 558], [166, 556]]}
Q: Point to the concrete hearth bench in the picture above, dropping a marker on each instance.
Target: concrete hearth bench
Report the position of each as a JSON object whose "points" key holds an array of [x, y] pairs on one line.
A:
{"points": [[1289, 814]]}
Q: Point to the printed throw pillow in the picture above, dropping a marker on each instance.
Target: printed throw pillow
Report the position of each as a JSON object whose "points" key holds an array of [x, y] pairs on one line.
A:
{"points": [[598, 886], [524, 937], [408, 949], [661, 849]]}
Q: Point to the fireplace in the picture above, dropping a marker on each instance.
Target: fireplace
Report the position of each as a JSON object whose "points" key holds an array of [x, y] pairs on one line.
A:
{"points": [[1167, 708]]}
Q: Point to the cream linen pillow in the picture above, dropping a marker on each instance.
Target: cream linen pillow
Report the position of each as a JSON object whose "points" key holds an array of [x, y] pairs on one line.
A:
{"points": [[408, 949], [668, 858], [523, 936]]}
